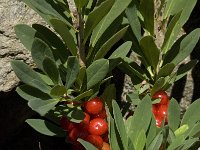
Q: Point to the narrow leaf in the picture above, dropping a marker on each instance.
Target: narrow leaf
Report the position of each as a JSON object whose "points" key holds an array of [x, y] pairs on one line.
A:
{"points": [[166, 70], [97, 72], [151, 52], [131, 13], [190, 117], [87, 145], [51, 70], [121, 51], [39, 51], [58, 90], [156, 143], [96, 16], [147, 10], [120, 124], [72, 71], [116, 10], [173, 114], [46, 128], [107, 46], [62, 28], [30, 93], [42, 106]]}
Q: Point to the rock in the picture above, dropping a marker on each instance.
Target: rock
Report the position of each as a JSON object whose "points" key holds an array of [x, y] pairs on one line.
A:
{"points": [[12, 13]]}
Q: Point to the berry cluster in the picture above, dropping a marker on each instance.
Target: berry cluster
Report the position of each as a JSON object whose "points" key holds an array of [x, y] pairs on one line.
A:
{"points": [[160, 110], [93, 128]]}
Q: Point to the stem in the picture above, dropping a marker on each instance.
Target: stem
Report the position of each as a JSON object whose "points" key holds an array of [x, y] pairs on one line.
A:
{"points": [[78, 23], [81, 46]]}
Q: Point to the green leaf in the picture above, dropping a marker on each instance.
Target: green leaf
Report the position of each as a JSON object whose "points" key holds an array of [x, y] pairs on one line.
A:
{"points": [[51, 70], [150, 50], [26, 34], [133, 98], [42, 106], [135, 74], [173, 114], [176, 143], [189, 143], [76, 115], [187, 45], [87, 145], [151, 132], [183, 70], [39, 51], [120, 124], [58, 90], [59, 49], [80, 4], [81, 76], [147, 11], [62, 28], [156, 143], [190, 117], [46, 9], [116, 10], [177, 23], [45, 78], [96, 16], [107, 46], [121, 51], [169, 7], [158, 85], [83, 95], [27, 75], [114, 141], [181, 130], [131, 13], [141, 140], [195, 131], [46, 127], [72, 71], [172, 30], [141, 119], [166, 70], [30, 93], [96, 72]]}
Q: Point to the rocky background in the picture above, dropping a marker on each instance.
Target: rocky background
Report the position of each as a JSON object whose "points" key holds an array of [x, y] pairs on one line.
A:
{"points": [[17, 135]]}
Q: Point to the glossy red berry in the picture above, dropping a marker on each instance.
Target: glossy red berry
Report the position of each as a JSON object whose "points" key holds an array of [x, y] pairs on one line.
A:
{"points": [[66, 124], [86, 120], [96, 140], [73, 134], [98, 126], [102, 114], [106, 146], [158, 121], [155, 109], [105, 137], [94, 106], [162, 112], [161, 95]]}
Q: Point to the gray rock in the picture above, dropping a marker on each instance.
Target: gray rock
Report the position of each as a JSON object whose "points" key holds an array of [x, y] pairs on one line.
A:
{"points": [[12, 13]]}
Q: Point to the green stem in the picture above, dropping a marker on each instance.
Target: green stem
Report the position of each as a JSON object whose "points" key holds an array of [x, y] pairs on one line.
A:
{"points": [[81, 46]]}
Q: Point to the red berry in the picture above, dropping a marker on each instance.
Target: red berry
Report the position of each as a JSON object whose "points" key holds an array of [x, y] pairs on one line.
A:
{"points": [[73, 134], [96, 140], [66, 124], [94, 106], [155, 109], [102, 114], [159, 121], [105, 137], [106, 146], [162, 111], [98, 126], [163, 96], [86, 120]]}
